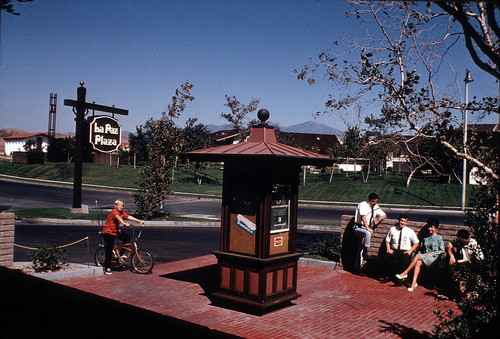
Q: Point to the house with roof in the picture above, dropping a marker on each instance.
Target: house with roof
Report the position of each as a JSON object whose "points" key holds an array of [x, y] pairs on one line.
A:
{"points": [[320, 143], [24, 142]]}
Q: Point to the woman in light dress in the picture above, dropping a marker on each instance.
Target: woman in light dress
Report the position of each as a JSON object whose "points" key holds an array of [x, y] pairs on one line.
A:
{"points": [[431, 248]]}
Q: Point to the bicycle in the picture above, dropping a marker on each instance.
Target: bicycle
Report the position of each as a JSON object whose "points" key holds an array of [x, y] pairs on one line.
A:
{"points": [[142, 260]]}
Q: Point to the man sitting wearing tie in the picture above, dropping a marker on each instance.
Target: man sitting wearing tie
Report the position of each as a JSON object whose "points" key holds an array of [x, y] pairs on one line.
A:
{"points": [[400, 242]]}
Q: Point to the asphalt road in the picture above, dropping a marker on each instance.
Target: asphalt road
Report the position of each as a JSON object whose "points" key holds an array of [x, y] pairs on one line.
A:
{"points": [[23, 194], [167, 244]]}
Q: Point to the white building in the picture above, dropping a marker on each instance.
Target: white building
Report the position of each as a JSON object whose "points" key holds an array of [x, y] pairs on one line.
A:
{"points": [[350, 167], [17, 143]]}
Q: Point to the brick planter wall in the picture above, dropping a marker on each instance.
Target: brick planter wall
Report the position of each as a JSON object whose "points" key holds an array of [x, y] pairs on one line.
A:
{"points": [[7, 239]]}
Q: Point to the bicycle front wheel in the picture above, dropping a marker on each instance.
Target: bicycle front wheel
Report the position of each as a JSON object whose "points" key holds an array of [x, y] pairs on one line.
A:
{"points": [[100, 257], [142, 261]]}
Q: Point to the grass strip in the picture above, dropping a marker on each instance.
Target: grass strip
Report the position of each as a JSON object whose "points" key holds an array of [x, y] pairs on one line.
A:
{"points": [[65, 213]]}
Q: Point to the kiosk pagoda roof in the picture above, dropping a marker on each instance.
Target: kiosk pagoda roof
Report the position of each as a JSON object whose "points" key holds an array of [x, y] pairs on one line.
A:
{"points": [[262, 143]]}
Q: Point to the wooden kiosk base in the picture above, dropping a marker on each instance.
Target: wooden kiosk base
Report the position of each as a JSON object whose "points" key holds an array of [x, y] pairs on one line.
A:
{"points": [[255, 283]]}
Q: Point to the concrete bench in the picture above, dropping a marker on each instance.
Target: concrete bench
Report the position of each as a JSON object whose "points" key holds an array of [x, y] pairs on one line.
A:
{"points": [[447, 232]]}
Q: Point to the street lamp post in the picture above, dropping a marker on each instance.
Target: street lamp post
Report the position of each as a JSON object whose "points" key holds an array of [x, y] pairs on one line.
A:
{"points": [[468, 78]]}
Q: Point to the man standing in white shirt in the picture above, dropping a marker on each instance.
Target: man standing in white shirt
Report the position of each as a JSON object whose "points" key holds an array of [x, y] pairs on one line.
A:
{"points": [[368, 216], [400, 244]]}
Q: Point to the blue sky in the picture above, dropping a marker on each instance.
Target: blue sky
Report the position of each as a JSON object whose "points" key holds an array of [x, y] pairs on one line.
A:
{"points": [[134, 54]]}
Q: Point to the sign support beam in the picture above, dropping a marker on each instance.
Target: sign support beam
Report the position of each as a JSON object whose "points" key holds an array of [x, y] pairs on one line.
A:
{"points": [[80, 107]]}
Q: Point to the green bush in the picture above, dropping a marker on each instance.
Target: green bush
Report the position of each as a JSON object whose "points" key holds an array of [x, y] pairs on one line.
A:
{"points": [[328, 247], [478, 304], [47, 258], [35, 157]]}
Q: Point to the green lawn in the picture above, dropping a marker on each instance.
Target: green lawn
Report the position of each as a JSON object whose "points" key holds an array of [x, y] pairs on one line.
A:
{"points": [[390, 188], [59, 213]]}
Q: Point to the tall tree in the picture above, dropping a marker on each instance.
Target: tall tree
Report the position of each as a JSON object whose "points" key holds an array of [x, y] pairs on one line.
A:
{"points": [[396, 69], [399, 67], [195, 136], [61, 149], [480, 30], [238, 112], [140, 139], [353, 144], [163, 146]]}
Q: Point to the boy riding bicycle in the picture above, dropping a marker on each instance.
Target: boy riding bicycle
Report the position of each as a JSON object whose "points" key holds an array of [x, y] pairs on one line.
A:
{"points": [[111, 231]]}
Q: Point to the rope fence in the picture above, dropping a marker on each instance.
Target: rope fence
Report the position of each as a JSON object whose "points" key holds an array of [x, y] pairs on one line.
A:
{"points": [[62, 246]]}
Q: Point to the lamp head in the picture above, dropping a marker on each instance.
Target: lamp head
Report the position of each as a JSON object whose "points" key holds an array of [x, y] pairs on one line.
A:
{"points": [[468, 77]]}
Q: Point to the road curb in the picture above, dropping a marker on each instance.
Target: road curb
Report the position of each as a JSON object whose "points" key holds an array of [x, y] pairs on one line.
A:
{"points": [[81, 222], [76, 271], [320, 263]]}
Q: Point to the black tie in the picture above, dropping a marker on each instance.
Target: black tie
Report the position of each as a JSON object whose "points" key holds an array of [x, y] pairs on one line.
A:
{"points": [[399, 241]]}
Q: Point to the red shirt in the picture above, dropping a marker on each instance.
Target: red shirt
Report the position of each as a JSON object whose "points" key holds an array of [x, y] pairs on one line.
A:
{"points": [[112, 224]]}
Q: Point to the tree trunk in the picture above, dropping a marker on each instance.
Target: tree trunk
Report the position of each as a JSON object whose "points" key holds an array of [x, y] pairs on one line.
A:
{"points": [[365, 180], [409, 178], [411, 175]]}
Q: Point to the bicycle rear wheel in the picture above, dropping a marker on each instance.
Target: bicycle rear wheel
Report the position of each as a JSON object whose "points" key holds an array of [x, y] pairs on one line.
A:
{"points": [[100, 257], [142, 261]]}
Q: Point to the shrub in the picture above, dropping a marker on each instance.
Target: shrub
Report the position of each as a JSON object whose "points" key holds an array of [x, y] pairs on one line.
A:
{"points": [[478, 317], [35, 157], [328, 247], [47, 258]]}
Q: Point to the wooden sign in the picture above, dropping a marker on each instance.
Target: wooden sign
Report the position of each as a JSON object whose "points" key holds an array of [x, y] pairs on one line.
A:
{"points": [[105, 133]]}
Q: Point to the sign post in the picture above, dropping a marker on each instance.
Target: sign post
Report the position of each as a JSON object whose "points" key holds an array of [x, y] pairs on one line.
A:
{"points": [[81, 108]]}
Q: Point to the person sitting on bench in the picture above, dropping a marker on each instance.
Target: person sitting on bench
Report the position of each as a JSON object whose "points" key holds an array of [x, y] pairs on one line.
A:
{"points": [[432, 248], [400, 244]]}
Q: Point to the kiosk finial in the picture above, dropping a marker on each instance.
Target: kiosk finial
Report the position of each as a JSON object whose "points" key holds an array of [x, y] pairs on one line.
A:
{"points": [[263, 115]]}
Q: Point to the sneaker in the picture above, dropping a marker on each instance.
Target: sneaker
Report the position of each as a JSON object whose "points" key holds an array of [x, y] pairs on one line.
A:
{"points": [[107, 270], [123, 257]]}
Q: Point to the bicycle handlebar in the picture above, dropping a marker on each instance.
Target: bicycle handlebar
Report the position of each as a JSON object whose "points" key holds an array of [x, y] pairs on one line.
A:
{"points": [[140, 226]]}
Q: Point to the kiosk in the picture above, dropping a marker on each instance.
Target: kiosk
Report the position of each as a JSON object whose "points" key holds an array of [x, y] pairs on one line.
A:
{"points": [[257, 261]]}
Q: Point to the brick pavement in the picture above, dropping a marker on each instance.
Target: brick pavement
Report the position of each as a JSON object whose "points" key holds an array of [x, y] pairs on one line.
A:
{"points": [[333, 303]]}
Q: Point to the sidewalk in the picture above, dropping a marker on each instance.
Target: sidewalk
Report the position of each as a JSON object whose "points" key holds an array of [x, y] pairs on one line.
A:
{"points": [[175, 302], [165, 223]]}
